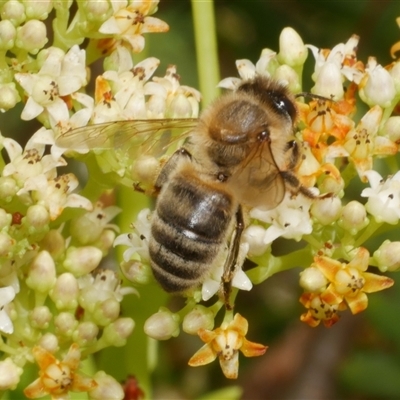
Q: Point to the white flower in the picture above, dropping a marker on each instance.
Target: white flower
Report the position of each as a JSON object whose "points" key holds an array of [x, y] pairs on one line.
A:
{"points": [[377, 86], [247, 70], [129, 22], [60, 75], [240, 280], [291, 219], [56, 194], [138, 241], [171, 100], [98, 288], [128, 85], [7, 295], [343, 56], [383, 197]]}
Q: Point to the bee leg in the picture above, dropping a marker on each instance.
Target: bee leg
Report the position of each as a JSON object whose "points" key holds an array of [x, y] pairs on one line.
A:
{"points": [[231, 261], [293, 147], [170, 166], [153, 189]]}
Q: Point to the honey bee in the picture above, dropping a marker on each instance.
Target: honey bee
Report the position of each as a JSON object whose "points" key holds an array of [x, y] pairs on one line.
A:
{"points": [[239, 154]]}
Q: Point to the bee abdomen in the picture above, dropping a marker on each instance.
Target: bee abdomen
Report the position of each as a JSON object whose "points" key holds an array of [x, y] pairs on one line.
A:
{"points": [[187, 232]]}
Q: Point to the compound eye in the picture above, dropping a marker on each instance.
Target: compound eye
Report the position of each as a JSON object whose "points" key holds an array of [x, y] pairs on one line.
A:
{"points": [[285, 105]]}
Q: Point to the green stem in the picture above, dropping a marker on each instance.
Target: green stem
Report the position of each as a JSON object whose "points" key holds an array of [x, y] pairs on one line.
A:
{"points": [[206, 49], [369, 231]]}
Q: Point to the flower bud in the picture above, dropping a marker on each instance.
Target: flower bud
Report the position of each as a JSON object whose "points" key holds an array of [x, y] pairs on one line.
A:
{"points": [[5, 219], [162, 325], [179, 107], [37, 217], [392, 129], [85, 334], [106, 312], [49, 342], [136, 272], [8, 188], [377, 86], [65, 324], [31, 36], [388, 256], [9, 374], [313, 280], [288, 77], [9, 96], [42, 273], [326, 210], [40, 317], [116, 333], [6, 244], [82, 260], [38, 9], [7, 35], [85, 229], [96, 10], [13, 11], [292, 50], [54, 243], [65, 292], [199, 318], [354, 217], [329, 82], [107, 387]]}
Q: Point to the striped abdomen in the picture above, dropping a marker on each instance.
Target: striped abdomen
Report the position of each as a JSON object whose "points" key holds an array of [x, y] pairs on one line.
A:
{"points": [[190, 223]]}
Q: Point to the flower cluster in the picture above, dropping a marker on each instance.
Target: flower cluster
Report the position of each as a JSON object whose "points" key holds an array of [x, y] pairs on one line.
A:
{"points": [[57, 306]]}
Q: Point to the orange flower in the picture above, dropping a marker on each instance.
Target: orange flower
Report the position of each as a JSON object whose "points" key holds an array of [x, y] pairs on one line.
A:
{"points": [[346, 283], [57, 378], [224, 343]]}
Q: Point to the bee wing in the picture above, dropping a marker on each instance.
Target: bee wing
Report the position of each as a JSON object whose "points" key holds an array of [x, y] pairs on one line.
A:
{"points": [[261, 178], [137, 136]]}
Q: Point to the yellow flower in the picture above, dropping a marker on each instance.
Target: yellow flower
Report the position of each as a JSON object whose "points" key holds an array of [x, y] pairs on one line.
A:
{"points": [[224, 343], [347, 283], [57, 378]]}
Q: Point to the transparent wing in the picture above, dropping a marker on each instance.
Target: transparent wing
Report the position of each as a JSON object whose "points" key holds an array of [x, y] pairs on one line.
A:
{"points": [[136, 136], [265, 187]]}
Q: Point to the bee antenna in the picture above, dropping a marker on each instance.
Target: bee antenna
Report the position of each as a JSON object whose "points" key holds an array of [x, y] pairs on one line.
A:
{"points": [[312, 96]]}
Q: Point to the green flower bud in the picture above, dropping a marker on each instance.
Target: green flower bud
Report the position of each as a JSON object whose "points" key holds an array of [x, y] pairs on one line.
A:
{"points": [[9, 96], [49, 342], [8, 188], [162, 325], [13, 11], [65, 324], [354, 217], [65, 292], [40, 317], [107, 387], [9, 374], [42, 273], [116, 333], [54, 243], [388, 256], [106, 312], [38, 9], [7, 35], [82, 260], [37, 217], [292, 50], [85, 334], [199, 318], [313, 280], [6, 244], [31, 36]]}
